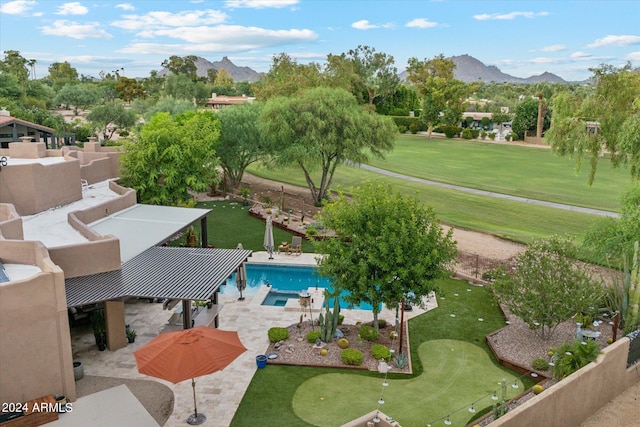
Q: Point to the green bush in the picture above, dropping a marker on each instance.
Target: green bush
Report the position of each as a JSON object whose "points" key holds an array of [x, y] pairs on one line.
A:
{"points": [[492, 136], [406, 121], [380, 351], [311, 231], [414, 127], [475, 133], [466, 133], [540, 364], [278, 334], [313, 336], [483, 134], [368, 333], [569, 357], [402, 129], [451, 131], [352, 357]]}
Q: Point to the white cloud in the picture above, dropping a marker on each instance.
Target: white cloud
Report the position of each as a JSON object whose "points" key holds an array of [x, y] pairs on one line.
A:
{"points": [[74, 30], [581, 55], [615, 41], [221, 38], [633, 56], [17, 7], [125, 6], [508, 16], [259, 4], [366, 25], [363, 25], [553, 48], [156, 19], [421, 23], [74, 8]]}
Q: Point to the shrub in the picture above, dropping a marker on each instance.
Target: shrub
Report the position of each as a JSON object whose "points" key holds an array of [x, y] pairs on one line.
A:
{"points": [[343, 343], [475, 133], [414, 127], [311, 231], [492, 136], [466, 133], [451, 131], [324, 352], [313, 336], [402, 360], [483, 134], [402, 129], [382, 323], [537, 389], [368, 333], [352, 357], [570, 357], [278, 334], [540, 364], [380, 351]]}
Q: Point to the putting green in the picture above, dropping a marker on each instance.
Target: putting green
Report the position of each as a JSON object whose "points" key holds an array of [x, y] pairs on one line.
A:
{"points": [[456, 374]]}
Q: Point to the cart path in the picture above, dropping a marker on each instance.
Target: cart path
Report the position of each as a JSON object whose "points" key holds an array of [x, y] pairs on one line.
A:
{"points": [[487, 193]]}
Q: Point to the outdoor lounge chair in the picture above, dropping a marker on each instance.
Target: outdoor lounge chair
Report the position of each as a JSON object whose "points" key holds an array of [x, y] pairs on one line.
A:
{"points": [[296, 245]]}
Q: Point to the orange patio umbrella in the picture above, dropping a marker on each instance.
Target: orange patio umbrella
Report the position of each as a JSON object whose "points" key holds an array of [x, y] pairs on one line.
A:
{"points": [[187, 354]]}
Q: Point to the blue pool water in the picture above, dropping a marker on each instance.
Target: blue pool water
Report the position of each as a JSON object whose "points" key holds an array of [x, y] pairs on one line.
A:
{"points": [[282, 278]]}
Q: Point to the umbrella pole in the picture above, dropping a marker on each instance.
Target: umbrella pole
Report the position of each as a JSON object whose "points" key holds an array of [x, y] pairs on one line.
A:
{"points": [[196, 418]]}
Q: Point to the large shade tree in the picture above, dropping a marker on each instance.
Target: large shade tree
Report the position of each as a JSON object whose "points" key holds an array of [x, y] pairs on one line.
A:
{"points": [[172, 157], [320, 129], [608, 119], [287, 78], [240, 142], [388, 247], [548, 286]]}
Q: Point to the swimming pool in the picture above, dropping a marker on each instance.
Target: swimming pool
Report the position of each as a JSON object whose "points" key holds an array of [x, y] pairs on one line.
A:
{"points": [[283, 278]]}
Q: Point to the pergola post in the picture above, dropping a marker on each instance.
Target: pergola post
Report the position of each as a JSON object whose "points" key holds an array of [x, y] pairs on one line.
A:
{"points": [[204, 232]]}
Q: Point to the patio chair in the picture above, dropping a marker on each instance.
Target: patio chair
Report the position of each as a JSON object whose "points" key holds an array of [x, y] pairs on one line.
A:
{"points": [[296, 245]]}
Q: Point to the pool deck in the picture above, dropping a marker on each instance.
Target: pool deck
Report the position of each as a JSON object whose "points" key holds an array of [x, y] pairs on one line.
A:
{"points": [[220, 393]]}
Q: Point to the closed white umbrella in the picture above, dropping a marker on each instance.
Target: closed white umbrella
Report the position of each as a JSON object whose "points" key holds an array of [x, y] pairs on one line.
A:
{"points": [[268, 237], [241, 280]]}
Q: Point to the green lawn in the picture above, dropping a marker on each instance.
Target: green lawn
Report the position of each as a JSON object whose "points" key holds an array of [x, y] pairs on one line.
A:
{"points": [[534, 173], [229, 223], [511, 220], [453, 368]]}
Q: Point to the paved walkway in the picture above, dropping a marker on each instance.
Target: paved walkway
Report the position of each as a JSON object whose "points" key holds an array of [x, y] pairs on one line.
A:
{"points": [[218, 394], [488, 193]]}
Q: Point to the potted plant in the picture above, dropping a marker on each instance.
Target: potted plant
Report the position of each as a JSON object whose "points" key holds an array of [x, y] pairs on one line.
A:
{"points": [[131, 335], [191, 237], [245, 192], [99, 329]]}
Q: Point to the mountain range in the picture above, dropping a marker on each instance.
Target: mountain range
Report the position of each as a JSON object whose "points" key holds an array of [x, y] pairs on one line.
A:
{"points": [[468, 69]]}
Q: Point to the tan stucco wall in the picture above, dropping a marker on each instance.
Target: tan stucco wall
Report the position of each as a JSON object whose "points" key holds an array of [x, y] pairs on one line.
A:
{"points": [[27, 150], [10, 223], [88, 258], [116, 329], [577, 397], [35, 343], [41, 187]]}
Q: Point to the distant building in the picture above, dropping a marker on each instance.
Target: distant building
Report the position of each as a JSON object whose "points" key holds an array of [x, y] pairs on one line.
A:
{"points": [[217, 102]]}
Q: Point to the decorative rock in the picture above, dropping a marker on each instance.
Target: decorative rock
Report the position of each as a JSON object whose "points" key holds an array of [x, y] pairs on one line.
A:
{"points": [[339, 334]]}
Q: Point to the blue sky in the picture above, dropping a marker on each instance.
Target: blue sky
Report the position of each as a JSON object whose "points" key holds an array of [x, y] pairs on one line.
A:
{"points": [[522, 38]]}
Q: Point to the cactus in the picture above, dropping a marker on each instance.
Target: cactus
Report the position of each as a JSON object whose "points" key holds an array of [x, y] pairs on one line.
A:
{"points": [[402, 360], [329, 322]]}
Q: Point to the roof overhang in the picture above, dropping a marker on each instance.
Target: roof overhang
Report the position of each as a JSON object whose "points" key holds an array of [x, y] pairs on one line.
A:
{"points": [[160, 272]]}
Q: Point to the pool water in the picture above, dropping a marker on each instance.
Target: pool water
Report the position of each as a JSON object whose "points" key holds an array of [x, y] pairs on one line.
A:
{"points": [[279, 298], [282, 278]]}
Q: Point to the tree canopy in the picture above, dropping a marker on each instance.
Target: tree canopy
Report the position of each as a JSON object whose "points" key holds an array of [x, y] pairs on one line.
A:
{"points": [[240, 141], [526, 116], [388, 247], [172, 156], [322, 128], [548, 286], [608, 119], [110, 117]]}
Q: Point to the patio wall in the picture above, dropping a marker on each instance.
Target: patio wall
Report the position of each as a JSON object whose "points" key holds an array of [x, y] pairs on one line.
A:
{"points": [[10, 223], [41, 186], [580, 395], [100, 253], [35, 355]]}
